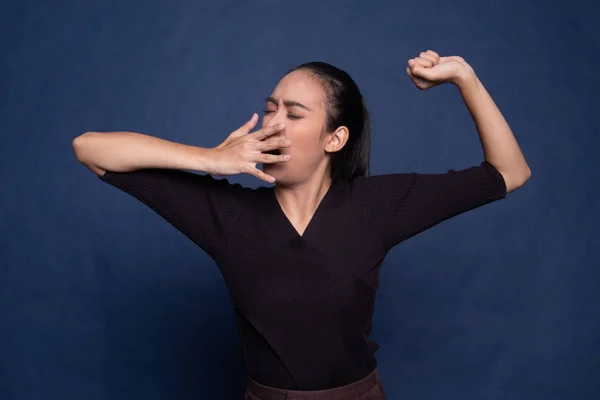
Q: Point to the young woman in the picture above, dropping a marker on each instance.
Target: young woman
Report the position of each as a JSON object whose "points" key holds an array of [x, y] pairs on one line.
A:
{"points": [[301, 259]]}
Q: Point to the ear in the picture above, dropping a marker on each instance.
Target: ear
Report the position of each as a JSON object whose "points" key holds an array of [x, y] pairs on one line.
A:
{"points": [[337, 139]]}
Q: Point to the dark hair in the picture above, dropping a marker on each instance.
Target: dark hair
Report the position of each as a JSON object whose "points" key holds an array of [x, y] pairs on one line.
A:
{"points": [[345, 106]]}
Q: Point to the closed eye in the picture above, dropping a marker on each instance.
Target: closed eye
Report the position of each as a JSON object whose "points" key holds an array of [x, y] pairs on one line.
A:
{"points": [[291, 116]]}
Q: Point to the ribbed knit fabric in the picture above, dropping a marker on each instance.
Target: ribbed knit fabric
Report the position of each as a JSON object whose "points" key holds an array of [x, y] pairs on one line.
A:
{"points": [[304, 304]]}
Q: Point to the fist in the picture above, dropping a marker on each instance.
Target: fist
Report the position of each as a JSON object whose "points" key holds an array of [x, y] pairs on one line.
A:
{"points": [[429, 69]]}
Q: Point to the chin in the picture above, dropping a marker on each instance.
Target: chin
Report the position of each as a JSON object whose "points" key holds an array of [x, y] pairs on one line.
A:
{"points": [[278, 171]]}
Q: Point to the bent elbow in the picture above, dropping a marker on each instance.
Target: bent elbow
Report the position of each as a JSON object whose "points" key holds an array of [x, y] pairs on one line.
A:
{"points": [[79, 146], [82, 149], [514, 182]]}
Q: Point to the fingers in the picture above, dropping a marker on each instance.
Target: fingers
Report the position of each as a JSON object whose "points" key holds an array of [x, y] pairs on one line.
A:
{"points": [[248, 126], [413, 63], [416, 68], [268, 131], [430, 55], [421, 62], [273, 144], [264, 158], [261, 175], [244, 129], [415, 79], [426, 59]]}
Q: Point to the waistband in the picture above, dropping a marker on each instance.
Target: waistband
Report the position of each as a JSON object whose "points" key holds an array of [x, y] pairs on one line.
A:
{"points": [[346, 392]]}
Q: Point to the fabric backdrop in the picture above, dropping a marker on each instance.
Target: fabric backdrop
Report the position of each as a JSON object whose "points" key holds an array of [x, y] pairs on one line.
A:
{"points": [[101, 299]]}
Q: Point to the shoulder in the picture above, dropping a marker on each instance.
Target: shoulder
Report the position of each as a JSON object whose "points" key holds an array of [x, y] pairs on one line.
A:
{"points": [[480, 174], [375, 185]]}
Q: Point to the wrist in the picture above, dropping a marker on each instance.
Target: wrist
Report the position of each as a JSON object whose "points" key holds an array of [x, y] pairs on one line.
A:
{"points": [[465, 77], [205, 159]]}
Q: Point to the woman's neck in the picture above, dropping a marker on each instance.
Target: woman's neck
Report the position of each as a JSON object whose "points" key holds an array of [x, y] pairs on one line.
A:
{"points": [[299, 202]]}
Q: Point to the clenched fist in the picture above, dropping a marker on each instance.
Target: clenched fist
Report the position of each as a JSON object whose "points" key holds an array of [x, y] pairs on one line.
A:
{"points": [[429, 69]]}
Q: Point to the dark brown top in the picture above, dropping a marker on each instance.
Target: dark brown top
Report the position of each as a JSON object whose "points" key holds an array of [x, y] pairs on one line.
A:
{"points": [[303, 304]]}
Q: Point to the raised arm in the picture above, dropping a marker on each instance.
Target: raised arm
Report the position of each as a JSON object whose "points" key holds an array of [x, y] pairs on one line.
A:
{"points": [[499, 144], [403, 204], [130, 151], [156, 172]]}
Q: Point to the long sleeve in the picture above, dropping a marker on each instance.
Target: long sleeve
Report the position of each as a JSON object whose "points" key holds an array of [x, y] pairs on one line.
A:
{"points": [[202, 207], [401, 205]]}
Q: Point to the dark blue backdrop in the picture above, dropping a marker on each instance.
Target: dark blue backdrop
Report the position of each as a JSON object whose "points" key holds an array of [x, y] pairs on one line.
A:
{"points": [[101, 299]]}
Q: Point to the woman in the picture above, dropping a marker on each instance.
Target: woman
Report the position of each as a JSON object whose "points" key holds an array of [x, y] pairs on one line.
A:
{"points": [[301, 259]]}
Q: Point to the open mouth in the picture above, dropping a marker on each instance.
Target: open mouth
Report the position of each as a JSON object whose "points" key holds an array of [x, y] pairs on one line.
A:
{"points": [[274, 152]]}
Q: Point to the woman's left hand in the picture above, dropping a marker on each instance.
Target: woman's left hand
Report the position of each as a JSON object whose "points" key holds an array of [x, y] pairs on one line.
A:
{"points": [[429, 69]]}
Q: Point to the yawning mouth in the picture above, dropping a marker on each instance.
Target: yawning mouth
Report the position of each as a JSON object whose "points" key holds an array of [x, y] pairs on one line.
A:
{"points": [[275, 152]]}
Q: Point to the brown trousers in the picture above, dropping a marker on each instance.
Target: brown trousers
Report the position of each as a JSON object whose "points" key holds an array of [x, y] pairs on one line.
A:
{"points": [[368, 388]]}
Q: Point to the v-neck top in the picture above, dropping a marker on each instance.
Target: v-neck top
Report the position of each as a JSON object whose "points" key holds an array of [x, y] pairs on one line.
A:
{"points": [[303, 304]]}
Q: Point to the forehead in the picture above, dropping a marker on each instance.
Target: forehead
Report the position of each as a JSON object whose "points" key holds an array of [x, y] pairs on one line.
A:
{"points": [[299, 86]]}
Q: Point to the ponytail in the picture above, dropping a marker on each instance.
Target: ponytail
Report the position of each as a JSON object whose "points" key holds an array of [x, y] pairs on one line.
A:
{"points": [[345, 107]]}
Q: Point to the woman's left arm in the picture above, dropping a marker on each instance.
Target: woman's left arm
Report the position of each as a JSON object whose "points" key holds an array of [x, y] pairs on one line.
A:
{"points": [[499, 144]]}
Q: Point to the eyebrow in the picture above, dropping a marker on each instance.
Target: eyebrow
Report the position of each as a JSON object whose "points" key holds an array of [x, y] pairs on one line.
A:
{"points": [[287, 103]]}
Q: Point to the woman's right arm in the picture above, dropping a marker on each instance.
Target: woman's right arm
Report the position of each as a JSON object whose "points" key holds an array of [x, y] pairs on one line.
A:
{"points": [[156, 172], [130, 151]]}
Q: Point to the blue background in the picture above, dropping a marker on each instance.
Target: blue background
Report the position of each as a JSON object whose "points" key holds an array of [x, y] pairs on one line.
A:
{"points": [[101, 299]]}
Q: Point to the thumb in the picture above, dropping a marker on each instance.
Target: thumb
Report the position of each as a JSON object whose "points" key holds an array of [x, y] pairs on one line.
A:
{"points": [[423, 72]]}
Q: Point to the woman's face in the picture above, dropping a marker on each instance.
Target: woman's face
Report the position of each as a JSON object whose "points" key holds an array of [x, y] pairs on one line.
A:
{"points": [[299, 102]]}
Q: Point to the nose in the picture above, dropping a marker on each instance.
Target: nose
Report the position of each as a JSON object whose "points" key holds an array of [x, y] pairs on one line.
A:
{"points": [[277, 118], [278, 135]]}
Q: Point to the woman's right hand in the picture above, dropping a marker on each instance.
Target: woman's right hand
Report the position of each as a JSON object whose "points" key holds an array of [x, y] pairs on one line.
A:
{"points": [[241, 151]]}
